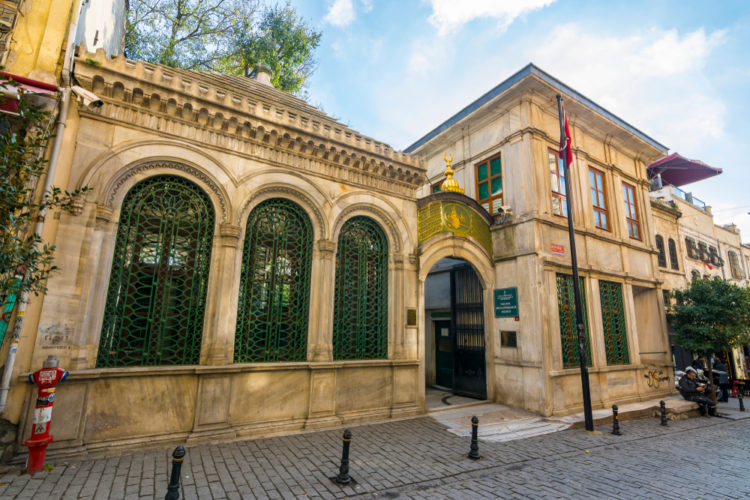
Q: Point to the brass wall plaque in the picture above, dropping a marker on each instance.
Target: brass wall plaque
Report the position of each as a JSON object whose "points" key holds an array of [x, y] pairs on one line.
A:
{"points": [[462, 221], [411, 317]]}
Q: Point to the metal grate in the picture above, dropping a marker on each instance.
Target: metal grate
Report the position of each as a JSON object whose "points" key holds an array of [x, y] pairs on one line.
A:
{"points": [[567, 310], [360, 310], [613, 318], [157, 288], [274, 293]]}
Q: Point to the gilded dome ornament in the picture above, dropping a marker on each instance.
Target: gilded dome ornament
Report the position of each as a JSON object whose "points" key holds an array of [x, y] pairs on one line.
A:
{"points": [[450, 184]]}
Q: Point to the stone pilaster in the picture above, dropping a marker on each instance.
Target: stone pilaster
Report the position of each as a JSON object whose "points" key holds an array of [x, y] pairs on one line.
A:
{"points": [[320, 331], [218, 338]]}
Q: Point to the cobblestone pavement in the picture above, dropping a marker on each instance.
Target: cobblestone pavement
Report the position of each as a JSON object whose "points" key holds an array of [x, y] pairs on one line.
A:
{"points": [[418, 458]]}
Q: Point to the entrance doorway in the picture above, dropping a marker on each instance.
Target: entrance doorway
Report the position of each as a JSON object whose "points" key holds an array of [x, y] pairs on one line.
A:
{"points": [[456, 341]]}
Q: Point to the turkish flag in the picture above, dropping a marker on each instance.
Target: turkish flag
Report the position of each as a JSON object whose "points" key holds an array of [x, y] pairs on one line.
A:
{"points": [[565, 142]]}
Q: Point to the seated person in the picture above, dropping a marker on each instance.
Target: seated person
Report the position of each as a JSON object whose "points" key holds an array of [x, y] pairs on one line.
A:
{"points": [[691, 391]]}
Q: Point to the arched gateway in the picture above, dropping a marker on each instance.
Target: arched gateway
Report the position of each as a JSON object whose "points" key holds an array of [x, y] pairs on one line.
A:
{"points": [[456, 282]]}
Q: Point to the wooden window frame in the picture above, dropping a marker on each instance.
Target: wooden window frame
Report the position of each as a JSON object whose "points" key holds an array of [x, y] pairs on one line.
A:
{"points": [[488, 180], [631, 208], [596, 208], [559, 174], [662, 257], [673, 254]]}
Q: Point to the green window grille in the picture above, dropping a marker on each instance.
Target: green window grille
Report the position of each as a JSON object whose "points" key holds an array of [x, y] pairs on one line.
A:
{"points": [[360, 309], [613, 318], [274, 292], [157, 288], [567, 310]]}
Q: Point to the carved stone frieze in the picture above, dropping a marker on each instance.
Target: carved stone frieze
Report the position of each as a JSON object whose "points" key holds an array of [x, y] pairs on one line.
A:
{"points": [[169, 165], [380, 216], [296, 196]]}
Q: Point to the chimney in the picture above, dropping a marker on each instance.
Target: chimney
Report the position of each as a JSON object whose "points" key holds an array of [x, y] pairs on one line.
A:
{"points": [[263, 74]]}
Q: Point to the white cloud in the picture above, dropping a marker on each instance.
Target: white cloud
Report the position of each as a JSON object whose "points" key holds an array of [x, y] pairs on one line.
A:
{"points": [[654, 80], [367, 5], [449, 15], [340, 13]]}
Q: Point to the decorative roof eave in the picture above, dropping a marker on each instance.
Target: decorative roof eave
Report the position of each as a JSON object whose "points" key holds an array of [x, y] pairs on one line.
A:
{"points": [[502, 90], [240, 103]]}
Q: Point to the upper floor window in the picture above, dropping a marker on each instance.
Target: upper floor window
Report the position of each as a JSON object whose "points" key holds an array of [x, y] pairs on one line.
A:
{"points": [[598, 198], [660, 248], [703, 253], [631, 211], [734, 265], [692, 248], [558, 183], [673, 255], [490, 184]]}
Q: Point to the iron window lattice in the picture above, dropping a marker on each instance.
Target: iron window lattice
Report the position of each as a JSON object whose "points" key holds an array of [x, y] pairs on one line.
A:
{"points": [[157, 288], [274, 296], [360, 311], [567, 314], [613, 319]]}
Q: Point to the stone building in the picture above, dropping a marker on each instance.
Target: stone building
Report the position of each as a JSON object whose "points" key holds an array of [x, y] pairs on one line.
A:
{"points": [[242, 265], [245, 265], [504, 148]]}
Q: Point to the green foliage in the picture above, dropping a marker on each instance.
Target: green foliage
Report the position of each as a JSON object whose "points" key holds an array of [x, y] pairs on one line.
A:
{"points": [[189, 34], [228, 36], [25, 260], [711, 315], [280, 40]]}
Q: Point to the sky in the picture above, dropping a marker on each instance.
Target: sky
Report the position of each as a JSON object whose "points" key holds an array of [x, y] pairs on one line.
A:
{"points": [[679, 70]]}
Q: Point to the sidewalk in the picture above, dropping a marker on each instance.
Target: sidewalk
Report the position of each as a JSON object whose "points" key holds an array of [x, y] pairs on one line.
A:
{"points": [[387, 459]]}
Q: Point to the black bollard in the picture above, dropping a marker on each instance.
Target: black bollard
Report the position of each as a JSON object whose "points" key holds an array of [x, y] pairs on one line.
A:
{"points": [[739, 395], [474, 453], [173, 490], [663, 407], [343, 477], [615, 422]]}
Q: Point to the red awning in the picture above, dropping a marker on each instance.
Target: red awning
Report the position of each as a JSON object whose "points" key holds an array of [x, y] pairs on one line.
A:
{"points": [[678, 170], [9, 93]]}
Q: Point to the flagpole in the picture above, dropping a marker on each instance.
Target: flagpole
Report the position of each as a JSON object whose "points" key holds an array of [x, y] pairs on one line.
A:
{"points": [[580, 329]]}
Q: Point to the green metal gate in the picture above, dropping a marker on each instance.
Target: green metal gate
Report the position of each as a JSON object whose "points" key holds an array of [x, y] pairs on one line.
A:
{"points": [[274, 292], [157, 288], [613, 319], [360, 309], [567, 313], [467, 326]]}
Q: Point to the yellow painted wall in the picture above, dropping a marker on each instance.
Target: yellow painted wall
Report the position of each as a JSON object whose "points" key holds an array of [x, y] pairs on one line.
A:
{"points": [[38, 39]]}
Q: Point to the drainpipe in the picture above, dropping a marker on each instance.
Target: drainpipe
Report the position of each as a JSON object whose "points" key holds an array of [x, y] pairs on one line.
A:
{"points": [[54, 155]]}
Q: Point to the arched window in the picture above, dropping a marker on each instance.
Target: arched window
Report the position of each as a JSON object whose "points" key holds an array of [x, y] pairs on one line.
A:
{"points": [[360, 309], [157, 288], [673, 254], [660, 248], [274, 292], [694, 274]]}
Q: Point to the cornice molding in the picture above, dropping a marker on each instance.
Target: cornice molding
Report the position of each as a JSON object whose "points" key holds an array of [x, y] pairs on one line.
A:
{"points": [[231, 113]]}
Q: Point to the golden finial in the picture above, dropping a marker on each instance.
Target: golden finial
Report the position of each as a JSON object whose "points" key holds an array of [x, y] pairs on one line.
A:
{"points": [[450, 184]]}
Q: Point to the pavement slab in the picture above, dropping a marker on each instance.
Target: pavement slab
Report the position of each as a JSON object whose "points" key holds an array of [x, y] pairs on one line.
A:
{"points": [[426, 458]]}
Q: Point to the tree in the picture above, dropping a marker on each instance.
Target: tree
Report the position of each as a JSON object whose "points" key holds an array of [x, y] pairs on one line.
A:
{"points": [[228, 36], [188, 34], [711, 316], [280, 40], [25, 261]]}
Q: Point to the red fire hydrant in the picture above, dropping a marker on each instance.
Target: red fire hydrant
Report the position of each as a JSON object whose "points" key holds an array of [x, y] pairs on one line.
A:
{"points": [[46, 380]]}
